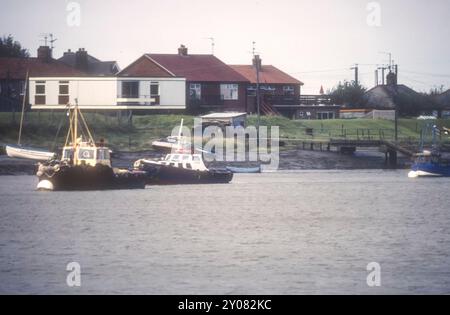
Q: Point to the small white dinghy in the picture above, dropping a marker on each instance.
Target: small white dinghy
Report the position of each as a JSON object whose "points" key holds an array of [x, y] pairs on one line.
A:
{"points": [[16, 151], [21, 152]]}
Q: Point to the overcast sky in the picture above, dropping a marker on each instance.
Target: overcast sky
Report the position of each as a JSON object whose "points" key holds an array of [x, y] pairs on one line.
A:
{"points": [[315, 41]]}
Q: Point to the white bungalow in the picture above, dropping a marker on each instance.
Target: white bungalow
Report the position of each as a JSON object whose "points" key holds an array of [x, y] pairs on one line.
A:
{"points": [[108, 93]]}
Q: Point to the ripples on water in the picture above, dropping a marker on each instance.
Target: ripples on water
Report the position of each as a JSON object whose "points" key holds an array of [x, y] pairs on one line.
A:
{"points": [[280, 233]]}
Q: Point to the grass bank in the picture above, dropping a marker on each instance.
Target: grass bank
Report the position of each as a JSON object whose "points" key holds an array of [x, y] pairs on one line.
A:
{"points": [[40, 129]]}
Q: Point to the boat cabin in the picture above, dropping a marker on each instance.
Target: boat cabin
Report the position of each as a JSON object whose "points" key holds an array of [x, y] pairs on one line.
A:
{"points": [[187, 161], [87, 154]]}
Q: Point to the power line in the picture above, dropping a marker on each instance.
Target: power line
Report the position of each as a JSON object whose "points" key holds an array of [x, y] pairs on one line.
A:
{"points": [[428, 74]]}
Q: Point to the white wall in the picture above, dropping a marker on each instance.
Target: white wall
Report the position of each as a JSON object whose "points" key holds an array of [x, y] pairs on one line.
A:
{"points": [[172, 91], [101, 91]]}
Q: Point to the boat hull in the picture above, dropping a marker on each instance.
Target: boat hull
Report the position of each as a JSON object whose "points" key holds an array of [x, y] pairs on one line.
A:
{"points": [[244, 170], [169, 175], [28, 153], [67, 178], [429, 170]]}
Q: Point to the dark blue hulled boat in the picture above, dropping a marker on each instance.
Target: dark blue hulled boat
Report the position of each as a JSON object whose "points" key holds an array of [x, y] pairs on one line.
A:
{"points": [[430, 164]]}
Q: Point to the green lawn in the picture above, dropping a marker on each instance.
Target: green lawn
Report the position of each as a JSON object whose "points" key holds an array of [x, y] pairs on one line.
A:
{"points": [[40, 129]]}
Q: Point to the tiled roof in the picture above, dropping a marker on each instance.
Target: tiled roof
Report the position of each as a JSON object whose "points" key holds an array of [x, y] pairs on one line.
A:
{"points": [[444, 99], [389, 96], [268, 74], [195, 68], [95, 66], [16, 68]]}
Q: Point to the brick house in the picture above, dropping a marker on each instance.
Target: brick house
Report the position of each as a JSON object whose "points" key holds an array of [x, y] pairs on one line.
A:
{"points": [[211, 85], [279, 92]]}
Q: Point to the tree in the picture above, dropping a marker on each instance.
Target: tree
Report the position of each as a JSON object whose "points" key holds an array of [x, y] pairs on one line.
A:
{"points": [[11, 48], [348, 94]]}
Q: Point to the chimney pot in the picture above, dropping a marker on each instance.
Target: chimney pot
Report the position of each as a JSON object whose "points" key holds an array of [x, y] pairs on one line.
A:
{"points": [[182, 50]]}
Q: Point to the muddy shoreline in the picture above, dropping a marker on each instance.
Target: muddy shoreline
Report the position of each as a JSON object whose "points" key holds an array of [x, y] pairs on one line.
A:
{"points": [[290, 159]]}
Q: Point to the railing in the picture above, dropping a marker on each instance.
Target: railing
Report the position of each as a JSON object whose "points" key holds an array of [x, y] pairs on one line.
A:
{"points": [[138, 99], [282, 99]]}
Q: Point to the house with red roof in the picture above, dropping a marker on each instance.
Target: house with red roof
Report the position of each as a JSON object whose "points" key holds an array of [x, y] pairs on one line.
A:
{"points": [[279, 92], [211, 85]]}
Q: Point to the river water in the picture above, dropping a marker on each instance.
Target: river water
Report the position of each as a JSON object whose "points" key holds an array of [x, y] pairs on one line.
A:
{"points": [[308, 232]]}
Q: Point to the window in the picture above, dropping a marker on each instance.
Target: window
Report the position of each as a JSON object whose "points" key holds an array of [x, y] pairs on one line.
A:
{"points": [[40, 87], [229, 91], [87, 154], [63, 97], [325, 115], [103, 154], [195, 91], [154, 93], [288, 90], [39, 98], [130, 89]]}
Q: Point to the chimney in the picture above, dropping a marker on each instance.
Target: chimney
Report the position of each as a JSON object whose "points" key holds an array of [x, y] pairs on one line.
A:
{"points": [[68, 52], [183, 51], [81, 59], [391, 79], [257, 62], [44, 53]]}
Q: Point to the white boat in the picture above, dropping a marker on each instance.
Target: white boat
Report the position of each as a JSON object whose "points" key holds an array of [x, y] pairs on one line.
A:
{"points": [[16, 151], [172, 143], [19, 151]]}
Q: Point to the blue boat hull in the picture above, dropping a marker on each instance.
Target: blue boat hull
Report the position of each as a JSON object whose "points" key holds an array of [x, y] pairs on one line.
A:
{"points": [[431, 169]]}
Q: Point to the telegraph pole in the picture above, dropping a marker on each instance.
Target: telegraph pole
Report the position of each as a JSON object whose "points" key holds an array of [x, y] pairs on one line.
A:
{"points": [[356, 74], [258, 101]]}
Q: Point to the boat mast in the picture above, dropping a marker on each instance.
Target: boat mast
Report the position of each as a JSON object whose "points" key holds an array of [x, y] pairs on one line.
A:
{"points": [[23, 108], [75, 133]]}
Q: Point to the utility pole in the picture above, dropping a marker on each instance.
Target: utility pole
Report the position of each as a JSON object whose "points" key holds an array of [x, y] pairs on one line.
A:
{"points": [[356, 74], [258, 101], [376, 77], [382, 68]]}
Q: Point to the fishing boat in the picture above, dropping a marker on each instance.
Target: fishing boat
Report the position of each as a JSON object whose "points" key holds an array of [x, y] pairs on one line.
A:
{"points": [[430, 164], [23, 152], [181, 168], [84, 164]]}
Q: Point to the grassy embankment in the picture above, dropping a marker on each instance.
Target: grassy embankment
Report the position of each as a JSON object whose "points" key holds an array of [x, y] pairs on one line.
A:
{"points": [[40, 129]]}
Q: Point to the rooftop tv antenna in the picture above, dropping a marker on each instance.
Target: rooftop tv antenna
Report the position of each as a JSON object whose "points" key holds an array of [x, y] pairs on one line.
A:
{"points": [[48, 39], [390, 58], [213, 44]]}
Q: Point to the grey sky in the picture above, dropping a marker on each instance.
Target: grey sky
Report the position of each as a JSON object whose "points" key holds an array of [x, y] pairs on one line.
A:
{"points": [[315, 41]]}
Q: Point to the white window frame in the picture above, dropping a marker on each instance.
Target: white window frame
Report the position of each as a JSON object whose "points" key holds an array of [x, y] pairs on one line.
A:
{"points": [[197, 87], [39, 83], [229, 92], [154, 83]]}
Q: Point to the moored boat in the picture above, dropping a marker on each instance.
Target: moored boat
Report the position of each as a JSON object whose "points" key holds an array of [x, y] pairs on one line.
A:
{"points": [[22, 152], [171, 143], [181, 168], [430, 164], [85, 165], [18, 151]]}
